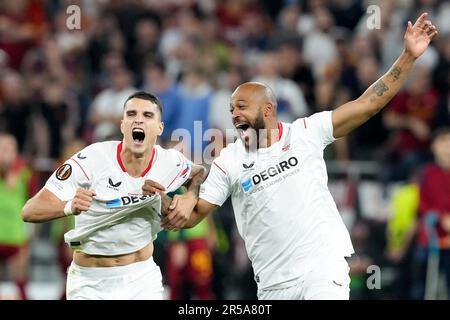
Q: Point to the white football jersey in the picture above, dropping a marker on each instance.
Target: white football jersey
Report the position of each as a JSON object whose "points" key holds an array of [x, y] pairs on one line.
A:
{"points": [[283, 208], [120, 220]]}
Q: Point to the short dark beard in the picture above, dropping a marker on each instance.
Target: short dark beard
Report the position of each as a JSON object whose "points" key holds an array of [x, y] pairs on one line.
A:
{"points": [[258, 125]]}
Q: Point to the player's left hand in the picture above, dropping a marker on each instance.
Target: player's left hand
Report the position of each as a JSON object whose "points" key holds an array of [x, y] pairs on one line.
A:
{"points": [[179, 211], [419, 35]]}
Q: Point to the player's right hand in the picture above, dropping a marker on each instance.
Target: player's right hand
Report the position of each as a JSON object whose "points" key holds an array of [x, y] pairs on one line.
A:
{"points": [[82, 200]]}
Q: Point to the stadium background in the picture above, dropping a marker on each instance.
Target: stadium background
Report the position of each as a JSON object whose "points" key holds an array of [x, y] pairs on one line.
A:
{"points": [[61, 89]]}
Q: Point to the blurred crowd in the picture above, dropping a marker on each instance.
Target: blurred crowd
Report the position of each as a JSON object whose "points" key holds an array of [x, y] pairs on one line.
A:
{"points": [[62, 87]]}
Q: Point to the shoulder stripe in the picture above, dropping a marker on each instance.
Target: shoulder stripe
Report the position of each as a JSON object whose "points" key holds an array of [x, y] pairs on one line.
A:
{"points": [[182, 171], [80, 167], [219, 168]]}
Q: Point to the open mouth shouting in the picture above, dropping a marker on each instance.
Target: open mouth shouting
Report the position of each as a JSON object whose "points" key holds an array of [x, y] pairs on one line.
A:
{"points": [[138, 136], [243, 129]]}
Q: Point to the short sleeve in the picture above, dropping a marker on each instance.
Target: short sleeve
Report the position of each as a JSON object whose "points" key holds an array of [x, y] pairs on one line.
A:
{"points": [[217, 188], [178, 170], [319, 127], [70, 176]]}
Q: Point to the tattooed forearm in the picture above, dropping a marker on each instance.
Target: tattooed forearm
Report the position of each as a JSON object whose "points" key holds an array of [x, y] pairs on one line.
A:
{"points": [[198, 176], [395, 73], [380, 87]]}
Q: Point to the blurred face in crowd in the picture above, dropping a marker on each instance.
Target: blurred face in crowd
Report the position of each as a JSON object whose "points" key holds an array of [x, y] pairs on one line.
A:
{"points": [[288, 59], [8, 154], [268, 65], [420, 80], [193, 79], [12, 87], [15, 7], [441, 150], [54, 93], [248, 105], [367, 70], [146, 33], [141, 125], [121, 78]]}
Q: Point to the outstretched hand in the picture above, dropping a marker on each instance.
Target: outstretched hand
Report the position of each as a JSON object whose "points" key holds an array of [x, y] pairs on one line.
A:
{"points": [[419, 35]]}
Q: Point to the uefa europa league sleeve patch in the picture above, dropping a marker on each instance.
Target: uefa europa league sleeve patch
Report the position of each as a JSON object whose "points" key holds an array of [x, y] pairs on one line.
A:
{"points": [[63, 172]]}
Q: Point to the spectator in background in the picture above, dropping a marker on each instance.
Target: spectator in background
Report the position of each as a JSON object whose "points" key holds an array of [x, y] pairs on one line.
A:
{"points": [[157, 81], [290, 99], [293, 66], [434, 198], [219, 116], [101, 41], [287, 22], [22, 23], [55, 113], [401, 234], [15, 113], [366, 255], [107, 107], [231, 15], [14, 191], [146, 40], [319, 47], [441, 80], [254, 32], [364, 145], [195, 97], [411, 117], [67, 40], [328, 95]]}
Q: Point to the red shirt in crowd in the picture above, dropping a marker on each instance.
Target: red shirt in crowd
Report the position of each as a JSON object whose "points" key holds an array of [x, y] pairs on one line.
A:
{"points": [[434, 196], [422, 107]]}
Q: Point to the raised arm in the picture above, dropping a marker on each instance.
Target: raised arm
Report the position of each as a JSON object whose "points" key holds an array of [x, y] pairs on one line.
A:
{"points": [[354, 113]]}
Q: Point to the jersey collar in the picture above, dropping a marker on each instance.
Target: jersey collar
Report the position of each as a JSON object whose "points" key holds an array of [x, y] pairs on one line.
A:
{"points": [[119, 160], [280, 130]]}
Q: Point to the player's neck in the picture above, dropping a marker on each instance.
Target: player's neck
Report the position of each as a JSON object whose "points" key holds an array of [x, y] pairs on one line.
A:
{"points": [[136, 163]]}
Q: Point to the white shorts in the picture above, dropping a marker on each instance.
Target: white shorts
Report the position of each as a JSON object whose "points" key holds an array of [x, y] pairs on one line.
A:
{"points": [[328, 280], [136, 281]]}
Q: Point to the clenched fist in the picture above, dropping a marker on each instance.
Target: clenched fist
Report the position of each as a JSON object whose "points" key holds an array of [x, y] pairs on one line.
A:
{"points": [[82, 201]]}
